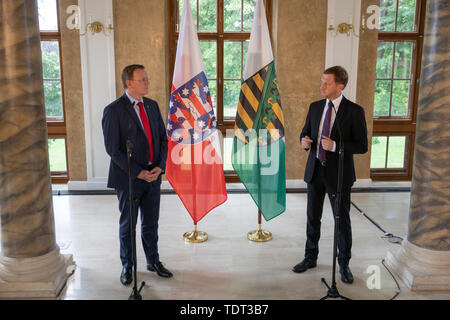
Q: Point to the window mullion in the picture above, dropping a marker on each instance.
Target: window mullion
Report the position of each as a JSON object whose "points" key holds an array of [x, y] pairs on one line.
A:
{"points": [[220, 17], [198, 15], [220, 84], [392, 78], [242, 59], [219, 91], [396, 15], [387, 153], [242, 15]]}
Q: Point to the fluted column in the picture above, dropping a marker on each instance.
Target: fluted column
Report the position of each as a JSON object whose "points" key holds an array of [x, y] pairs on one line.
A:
{"points": [[423, 261], [30, 262]]}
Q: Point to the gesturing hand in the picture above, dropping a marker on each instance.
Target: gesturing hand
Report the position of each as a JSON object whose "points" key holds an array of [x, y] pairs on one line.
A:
{"points": [[327, 143]]}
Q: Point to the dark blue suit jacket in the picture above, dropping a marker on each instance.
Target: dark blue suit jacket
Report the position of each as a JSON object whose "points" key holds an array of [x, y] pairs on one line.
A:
{"points": [[120, 123], [352, 122]]}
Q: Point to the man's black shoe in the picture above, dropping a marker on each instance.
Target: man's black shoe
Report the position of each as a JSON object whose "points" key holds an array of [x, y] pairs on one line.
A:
{"points": [[126, 276], [160, 270], [346, 274], [304, 265]]}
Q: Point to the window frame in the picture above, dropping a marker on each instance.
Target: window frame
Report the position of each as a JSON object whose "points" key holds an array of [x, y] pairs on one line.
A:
{"points": [[407, 146], [397, 125], [220, 36], [56, 127], [59, 175], [392, 78]]}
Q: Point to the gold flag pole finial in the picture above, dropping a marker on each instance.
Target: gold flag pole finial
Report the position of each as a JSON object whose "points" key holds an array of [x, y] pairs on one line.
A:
{"points": [[195, 236], [259, 235]]}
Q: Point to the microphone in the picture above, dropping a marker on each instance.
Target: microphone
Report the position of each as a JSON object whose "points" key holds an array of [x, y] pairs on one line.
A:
{"points": [[341, 142], [129, 143], [341, 156], [129, 147]]}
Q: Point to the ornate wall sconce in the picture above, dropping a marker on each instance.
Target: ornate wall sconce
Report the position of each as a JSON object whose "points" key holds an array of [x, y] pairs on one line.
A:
{"points": [[370, 20], [73, 22], [97, 27], [342, 28]]}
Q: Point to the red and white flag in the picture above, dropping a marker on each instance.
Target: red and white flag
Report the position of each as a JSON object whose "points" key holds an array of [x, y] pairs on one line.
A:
{"points": [[194, 165]]}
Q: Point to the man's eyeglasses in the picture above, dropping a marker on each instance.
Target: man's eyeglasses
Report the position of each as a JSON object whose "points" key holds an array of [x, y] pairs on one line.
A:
{"points": [[144, 80]]}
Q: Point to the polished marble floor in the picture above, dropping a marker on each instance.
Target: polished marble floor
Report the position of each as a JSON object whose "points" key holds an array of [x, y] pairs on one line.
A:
{"points": [[228, 266]]}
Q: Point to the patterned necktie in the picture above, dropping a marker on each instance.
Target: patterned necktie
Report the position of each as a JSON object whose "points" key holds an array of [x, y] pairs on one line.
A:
{"points": [[148, 131], [325, 132]]}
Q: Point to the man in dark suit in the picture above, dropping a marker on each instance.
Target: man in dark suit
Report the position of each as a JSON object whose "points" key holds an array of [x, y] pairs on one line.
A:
{"points": [[138, 120], [320, 135]]}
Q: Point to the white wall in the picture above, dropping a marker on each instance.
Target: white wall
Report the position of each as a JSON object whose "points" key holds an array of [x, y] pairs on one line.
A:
{"points": [[342, 49], [98, 79]]}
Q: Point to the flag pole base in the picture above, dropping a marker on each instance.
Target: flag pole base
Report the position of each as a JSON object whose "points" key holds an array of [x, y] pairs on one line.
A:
{"points": [[195, 236], [259, 235]]}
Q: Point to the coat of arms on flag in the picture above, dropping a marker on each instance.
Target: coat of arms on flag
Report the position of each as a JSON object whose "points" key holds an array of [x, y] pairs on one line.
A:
{"points": [[191, 117]]}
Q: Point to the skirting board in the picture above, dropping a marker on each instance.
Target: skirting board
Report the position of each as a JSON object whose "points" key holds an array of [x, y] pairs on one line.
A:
{"points": [[290, 184]]}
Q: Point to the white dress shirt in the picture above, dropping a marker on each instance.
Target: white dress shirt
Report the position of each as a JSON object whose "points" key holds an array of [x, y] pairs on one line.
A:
{"points": [[336, 103], [136, 107]]}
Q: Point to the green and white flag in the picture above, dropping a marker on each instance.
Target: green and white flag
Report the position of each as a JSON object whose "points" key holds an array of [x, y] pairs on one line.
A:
{"points": [[258, 155]]}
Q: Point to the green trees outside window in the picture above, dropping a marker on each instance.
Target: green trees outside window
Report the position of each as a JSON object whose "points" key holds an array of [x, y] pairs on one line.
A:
{"points": [[52, 78], [397, 15], [393, 78]]}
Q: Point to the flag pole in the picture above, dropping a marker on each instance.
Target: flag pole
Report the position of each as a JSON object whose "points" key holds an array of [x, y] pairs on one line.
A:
{"points": [[195, 236], [259, 235]]}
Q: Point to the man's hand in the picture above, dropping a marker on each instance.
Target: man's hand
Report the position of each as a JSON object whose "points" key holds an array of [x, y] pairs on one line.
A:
{"points": [[150, 176], [306, 142], [154, 173], [327, 143], [144, 175]]}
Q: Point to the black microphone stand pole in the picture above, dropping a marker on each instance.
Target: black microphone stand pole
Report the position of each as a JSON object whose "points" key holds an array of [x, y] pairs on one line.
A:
{"points": [[135, 295], [333, 291]]}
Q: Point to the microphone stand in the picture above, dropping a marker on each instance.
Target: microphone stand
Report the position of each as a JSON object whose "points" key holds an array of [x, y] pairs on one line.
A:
{"points": [[333, 291], [135, 295]]}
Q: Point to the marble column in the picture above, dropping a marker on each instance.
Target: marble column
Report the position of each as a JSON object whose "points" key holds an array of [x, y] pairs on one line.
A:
{"points": [[30, 262], [423, 261]]}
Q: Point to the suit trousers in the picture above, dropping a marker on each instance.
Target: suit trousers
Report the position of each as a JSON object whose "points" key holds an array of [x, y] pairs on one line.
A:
{"points": [[146, 198], [316, 195]]}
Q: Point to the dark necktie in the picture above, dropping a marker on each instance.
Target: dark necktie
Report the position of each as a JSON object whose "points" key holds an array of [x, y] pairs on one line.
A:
{"points": [[325, 132], [148, 131]]}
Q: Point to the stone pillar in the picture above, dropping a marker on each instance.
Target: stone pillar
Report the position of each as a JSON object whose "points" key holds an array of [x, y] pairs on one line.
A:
{"points": [[423, 261], [30, 262]]}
